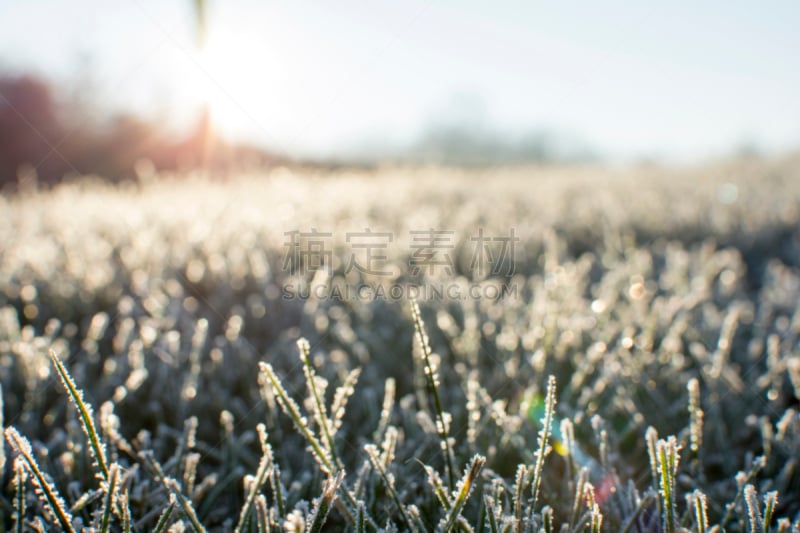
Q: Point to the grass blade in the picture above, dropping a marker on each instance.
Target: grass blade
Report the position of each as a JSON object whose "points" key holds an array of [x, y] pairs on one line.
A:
{"points": [[432, 378], [163, 520], [258, 482], [323, 504], [85, 414], [753, 509], [186, 504], [320, 412], [463, 492], [668, 466], [544, 437], [262, 514], [770, 502], [20, 477], [110, 489], [388, 480], [291, 408], [46, 491]]}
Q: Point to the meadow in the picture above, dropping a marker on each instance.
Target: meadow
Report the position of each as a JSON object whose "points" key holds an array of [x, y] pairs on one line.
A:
{"points": [[191, 354]]}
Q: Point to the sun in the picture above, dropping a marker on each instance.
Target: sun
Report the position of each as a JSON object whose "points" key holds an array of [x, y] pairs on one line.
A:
{"points": [[237, 79]]}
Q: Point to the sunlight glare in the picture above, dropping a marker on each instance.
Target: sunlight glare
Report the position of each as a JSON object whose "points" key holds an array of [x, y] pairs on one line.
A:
{"points": [[235, 79]]}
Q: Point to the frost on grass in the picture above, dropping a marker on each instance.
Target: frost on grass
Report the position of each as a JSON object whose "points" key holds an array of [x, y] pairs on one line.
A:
{"points": [[644, 376]]}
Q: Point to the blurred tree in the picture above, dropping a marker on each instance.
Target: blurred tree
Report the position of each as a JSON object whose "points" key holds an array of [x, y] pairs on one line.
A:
{"points": [[30, 130]]}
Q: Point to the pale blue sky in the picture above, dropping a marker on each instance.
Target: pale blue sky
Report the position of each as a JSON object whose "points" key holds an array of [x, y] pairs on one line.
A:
{"points": [[676, 79]]}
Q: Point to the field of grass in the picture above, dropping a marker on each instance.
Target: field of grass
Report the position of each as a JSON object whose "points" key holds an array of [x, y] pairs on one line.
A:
{"points": [[167, 364]]}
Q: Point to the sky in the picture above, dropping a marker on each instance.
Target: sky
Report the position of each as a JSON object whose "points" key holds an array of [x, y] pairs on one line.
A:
{"points": [[678, 79]]}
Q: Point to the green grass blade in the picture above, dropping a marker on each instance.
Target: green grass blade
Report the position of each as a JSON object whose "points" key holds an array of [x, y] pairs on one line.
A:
{"points": [[85, 414], [186, 504], [544, 437], [320, 412], [46, 491], [262, 476], [262, 514], [770, 502], [377, 464], [667, 451], [110, 489], [464, 489], [323, 504], [360, 522], [432, 378], [163, 520], [20, 476], [290, 408]]}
